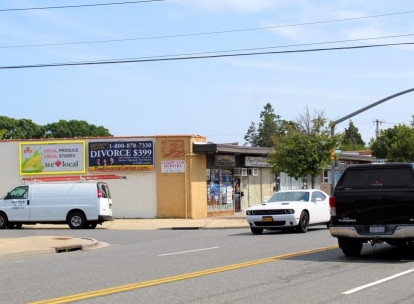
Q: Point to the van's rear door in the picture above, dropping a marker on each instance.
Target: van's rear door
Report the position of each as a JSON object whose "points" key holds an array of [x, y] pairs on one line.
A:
{"points": [[105, 201]]}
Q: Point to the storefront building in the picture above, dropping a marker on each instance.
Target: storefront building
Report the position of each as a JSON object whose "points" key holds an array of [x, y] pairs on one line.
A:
{"points": [[237, 177], [162, 176], [149, 176]]}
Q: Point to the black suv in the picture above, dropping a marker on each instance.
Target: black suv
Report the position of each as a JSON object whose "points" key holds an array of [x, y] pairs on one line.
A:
{"points": [[373, 203]]}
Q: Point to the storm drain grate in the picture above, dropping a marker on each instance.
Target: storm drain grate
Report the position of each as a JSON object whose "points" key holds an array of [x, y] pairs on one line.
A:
{"points": [[68, 248]]}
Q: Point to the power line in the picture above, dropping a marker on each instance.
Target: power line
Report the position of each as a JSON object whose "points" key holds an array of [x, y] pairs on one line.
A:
{"points": [[254, 49], [196, 57], [202, 33], [76, 6], [260, 48]]}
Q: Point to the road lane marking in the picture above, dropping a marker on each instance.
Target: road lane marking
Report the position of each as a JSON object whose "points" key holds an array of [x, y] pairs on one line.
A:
{"points": [[123, 288], [188, 251], [378, 282]]}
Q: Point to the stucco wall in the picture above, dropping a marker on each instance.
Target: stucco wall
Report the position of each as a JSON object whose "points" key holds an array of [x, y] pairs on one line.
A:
{"points": [[9, 164]]}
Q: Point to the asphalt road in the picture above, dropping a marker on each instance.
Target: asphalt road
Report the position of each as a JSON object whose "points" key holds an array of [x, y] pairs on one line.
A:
{"points": [[208, 266]]}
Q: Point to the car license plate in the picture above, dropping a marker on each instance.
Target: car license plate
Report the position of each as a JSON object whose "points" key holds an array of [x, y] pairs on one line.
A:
{"points": [[267, 219], [376, 229]]}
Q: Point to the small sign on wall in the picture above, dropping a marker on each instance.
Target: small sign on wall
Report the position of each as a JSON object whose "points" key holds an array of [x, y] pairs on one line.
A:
{"points": [[172, 166]]}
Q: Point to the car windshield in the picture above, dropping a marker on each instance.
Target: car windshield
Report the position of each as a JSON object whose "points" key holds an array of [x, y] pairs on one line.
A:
{"points": [[299, 196]]}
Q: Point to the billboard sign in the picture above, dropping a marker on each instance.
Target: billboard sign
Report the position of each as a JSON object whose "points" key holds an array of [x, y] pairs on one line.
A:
{"points": [[46, 157], [108, 156]]}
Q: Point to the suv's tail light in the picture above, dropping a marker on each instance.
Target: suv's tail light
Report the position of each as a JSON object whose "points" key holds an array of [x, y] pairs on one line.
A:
{"points": [[99, 193], [332, 205]]}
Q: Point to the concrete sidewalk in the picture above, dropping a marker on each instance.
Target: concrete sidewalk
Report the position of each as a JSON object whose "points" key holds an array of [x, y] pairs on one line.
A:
{"points": [[236, 221], [34, 245], [23, 246]]}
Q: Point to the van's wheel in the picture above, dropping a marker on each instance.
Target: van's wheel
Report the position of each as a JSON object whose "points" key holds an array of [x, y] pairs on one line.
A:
{"points": [[91, 225], [303, 222], [256, 230], [76, 220], [14, 225], [3, 220], [350, 247]]}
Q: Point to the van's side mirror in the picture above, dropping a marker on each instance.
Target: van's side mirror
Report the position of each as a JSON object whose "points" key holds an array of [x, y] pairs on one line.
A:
{"points": [[264, 202], [7, 196]]}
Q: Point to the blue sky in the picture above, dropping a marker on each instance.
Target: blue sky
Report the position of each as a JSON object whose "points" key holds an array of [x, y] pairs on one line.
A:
{"points": [[217, 98]]}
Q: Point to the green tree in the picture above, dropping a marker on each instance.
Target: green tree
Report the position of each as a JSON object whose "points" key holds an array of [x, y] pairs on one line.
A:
{"points": [[251, 136], [304, 149], [351, 139], [74, 128], [20, 128], [394, 144], [269, 127], [2, 133]]}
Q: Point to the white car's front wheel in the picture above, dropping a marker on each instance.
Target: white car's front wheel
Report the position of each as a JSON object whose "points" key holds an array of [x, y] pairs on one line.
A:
{"points": [[303, 222]]}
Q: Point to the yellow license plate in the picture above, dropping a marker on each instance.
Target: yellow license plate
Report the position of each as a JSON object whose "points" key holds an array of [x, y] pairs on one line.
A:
{"points": [[267, 219]]}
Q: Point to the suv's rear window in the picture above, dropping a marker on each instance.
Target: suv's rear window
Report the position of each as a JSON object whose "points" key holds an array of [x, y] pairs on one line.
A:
{"points": [[377, 177]]}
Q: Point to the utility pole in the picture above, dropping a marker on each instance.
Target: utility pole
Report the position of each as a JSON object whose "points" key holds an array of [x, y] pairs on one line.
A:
{"points": [[377, 122]]}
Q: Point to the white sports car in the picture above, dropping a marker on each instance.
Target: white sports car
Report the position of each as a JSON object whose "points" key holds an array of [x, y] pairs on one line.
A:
{"points": [[290, 209]]}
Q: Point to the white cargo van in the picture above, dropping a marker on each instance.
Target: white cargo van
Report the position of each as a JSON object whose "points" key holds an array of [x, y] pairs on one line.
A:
{"points": [[79, 204]]}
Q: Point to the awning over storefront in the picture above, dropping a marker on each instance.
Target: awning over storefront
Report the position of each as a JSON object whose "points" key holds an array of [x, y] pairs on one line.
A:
{"points": [[356, 158], [201, 148]]}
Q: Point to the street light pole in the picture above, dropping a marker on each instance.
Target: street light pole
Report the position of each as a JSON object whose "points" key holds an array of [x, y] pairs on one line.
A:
{"points": [[335, 122]]}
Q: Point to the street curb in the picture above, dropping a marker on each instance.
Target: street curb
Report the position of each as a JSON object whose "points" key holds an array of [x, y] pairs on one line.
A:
{"points": [[76, 247], [94, 243], [236, 227], [52, 249], [202, 228], [27, 253]]}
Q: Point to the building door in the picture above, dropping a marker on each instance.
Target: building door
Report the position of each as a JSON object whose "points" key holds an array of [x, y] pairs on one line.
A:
{"points": [[237, 195], [244, 194]]}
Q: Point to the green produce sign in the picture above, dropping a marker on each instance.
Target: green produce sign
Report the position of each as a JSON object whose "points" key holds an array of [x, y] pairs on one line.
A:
{"points": [[52, 157]]}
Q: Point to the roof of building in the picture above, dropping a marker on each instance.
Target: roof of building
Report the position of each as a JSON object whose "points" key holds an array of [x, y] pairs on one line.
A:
{"points": [[210, 148]]}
